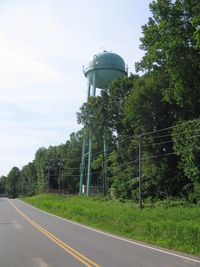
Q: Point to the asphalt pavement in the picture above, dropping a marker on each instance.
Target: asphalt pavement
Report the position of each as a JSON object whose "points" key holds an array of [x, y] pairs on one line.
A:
{"points": [[33, 238]]}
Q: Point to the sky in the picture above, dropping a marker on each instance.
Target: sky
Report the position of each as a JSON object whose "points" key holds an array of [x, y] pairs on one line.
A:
{"points": [[43, 46]]}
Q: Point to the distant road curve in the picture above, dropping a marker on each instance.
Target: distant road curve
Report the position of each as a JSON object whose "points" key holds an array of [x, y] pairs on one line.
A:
{"points": [[31, 237]]}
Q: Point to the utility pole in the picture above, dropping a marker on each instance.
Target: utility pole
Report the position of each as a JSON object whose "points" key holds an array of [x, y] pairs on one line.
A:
{"points": [[140, 172]]}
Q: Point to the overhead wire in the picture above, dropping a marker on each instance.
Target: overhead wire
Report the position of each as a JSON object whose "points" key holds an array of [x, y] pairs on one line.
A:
{"points": [[135, 161], [171, 134], [144, 145], [135, 137], [168, 128]]}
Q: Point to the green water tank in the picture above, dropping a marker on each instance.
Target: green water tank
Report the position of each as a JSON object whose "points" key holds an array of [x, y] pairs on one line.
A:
{"points": [[105, 67]]}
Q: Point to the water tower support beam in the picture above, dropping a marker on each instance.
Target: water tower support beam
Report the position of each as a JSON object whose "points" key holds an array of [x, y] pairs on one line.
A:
{"points": [[83, 152], [118, 143], [90, 143], [105, 181]]}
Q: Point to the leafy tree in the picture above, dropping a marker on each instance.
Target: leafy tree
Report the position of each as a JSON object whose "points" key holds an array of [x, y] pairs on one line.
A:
{"points": [[186, 138], [194, 7], [71, 163], [169, 45], [57, 167], [2, 184], [52, 167], [124, 177], [145, 111], [28, 181], [118, 91], [12, 182], [40, 165], [94, 114]]}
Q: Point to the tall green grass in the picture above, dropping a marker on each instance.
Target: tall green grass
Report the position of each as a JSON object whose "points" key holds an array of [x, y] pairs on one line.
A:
{"points": [[171, 227]]}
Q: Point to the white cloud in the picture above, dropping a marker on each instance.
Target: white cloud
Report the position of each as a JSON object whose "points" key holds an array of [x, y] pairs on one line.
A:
{"points": [[19, 69]]}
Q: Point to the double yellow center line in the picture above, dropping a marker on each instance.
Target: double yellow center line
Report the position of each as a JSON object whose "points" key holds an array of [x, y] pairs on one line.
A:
{"points": [[80, 257]]}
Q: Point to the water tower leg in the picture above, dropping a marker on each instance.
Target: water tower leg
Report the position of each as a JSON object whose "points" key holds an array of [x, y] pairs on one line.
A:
{"points": [[105, 181], [89, 165], [89, 88], [83, 154], [90, 146], [118, 143], [82, 162]]}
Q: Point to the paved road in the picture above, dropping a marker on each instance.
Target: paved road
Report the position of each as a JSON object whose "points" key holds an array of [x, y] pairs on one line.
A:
{"points": [[32, 238]]}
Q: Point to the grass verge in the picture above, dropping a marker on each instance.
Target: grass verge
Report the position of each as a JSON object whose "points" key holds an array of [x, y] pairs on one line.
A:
{"points": [[171, 227]]}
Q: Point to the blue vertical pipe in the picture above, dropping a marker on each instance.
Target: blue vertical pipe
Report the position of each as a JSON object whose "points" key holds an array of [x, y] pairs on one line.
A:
{"points": [[83, 154], [105, 147], [89, 86], [105, 151], [89, 164], [118, 144], [90, 143]]}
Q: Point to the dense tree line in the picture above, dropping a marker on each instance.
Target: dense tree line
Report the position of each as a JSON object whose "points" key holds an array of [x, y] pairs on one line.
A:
{"points": [[161, 104]]}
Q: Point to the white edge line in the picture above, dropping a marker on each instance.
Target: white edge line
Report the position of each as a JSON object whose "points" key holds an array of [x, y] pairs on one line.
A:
{"points": [[116, 237]]}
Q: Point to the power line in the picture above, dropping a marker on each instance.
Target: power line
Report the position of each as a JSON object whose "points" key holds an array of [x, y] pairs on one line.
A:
{"points": [[147, 145], [165, 142], [124, 164], [160, 143], [70, 175], [130, 162], [182, 132], [134, 137], [168, 128], [167, 154], [159, 136], [156, 156]]}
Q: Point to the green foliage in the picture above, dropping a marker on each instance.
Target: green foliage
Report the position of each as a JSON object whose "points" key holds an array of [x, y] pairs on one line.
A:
{"points": [[194, 7], [28, 180], [168, 41], [123, 178], [58, 167], [2, 184], [145, 109], [172, 227], [95, 113], [12, 186], [118, 91], [71, 163], [40, 165], [186, 138]]}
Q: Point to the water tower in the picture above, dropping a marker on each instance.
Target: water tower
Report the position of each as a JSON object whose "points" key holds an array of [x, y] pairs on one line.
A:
{"points": [[102, 69]]}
